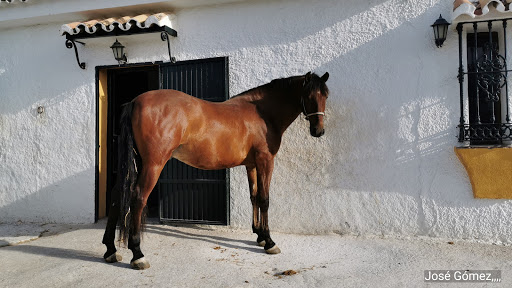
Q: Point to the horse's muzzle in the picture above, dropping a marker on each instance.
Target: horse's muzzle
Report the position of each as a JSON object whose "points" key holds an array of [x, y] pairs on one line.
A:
{"points": [[317, 132]]}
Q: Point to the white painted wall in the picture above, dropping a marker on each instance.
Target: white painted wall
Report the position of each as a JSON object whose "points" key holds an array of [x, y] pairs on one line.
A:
{"points": [[385, 166]]}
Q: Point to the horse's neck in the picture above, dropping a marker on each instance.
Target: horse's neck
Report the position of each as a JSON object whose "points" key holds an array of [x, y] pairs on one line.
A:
{"points": [[280, 106]]}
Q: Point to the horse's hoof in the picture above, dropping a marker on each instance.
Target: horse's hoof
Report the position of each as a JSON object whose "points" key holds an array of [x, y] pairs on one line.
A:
{"points": [[273, 250], [116, 257], [140, 264], [262, 243]]}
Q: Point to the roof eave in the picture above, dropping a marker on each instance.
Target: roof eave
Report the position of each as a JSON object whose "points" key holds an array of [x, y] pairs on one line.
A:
{"points": [[64, 11]]}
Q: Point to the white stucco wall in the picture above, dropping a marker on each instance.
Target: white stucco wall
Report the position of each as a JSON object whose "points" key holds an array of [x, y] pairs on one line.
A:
{"points": [[385, 166]]}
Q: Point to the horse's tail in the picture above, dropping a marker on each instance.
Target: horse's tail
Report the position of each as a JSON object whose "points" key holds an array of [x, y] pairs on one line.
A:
{"points": [[127, 171]]}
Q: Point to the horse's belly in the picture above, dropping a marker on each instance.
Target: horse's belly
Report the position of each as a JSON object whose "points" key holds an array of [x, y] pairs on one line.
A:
{"points": [[210, 158], [220, 140]]}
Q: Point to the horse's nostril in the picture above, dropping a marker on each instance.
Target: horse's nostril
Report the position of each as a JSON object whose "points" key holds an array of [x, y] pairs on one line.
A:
{"points": [[317, 133]]}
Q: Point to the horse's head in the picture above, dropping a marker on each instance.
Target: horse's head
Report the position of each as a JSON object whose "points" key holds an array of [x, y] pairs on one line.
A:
{"points": [[313, 102]]}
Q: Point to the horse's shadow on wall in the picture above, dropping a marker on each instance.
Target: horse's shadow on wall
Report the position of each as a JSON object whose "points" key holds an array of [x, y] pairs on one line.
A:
{"points": [[388, 125]]}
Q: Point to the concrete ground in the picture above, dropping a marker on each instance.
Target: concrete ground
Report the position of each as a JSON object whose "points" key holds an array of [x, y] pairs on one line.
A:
{"points": [[202, 256]]}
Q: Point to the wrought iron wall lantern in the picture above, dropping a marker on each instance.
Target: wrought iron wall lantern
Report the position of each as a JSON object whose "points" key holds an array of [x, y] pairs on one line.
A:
{"points": [[118, 50], [440, 30]]}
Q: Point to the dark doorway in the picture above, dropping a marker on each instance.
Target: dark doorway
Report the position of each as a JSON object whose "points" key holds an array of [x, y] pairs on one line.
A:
{"points": [[183, 194], [124, 84]]}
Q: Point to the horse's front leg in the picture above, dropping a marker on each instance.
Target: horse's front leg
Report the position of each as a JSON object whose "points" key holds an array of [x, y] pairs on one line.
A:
{"points": [[264, 168], [253, 189]]}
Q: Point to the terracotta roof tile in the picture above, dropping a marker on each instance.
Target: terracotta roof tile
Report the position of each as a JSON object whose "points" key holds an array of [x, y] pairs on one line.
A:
{"points": [[476, 8], [123, 23]]}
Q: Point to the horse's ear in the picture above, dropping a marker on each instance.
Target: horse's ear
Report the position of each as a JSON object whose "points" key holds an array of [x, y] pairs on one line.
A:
{"points": [[307, 77], [325, 77]]}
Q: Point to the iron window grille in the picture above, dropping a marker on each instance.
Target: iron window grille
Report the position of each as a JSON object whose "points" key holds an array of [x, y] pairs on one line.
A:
{"points": [[486, 119]]}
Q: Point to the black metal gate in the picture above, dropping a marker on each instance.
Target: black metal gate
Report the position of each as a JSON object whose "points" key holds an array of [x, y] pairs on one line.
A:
{"points": [[487, 77], [187, 194]]}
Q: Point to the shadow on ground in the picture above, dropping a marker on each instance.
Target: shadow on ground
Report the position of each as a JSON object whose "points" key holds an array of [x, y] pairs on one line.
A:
{"points": [[216, 240], [158, 230]]}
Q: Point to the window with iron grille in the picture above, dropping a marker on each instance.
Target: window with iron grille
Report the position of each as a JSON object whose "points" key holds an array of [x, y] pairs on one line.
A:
{"points": [[484, 100]]}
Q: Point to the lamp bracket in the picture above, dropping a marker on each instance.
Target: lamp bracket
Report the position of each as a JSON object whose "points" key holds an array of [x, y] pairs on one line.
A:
{"points": [[165, 37], [71, 44]]}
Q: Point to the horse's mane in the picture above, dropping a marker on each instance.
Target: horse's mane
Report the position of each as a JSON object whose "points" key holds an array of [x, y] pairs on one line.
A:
{"points": [[282, 83]]}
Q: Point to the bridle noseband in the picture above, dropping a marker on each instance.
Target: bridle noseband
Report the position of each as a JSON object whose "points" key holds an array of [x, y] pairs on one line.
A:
{"points": [[306, 113]]}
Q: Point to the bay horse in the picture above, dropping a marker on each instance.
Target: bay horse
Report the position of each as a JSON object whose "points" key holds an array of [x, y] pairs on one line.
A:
{"points": [[244, 130]]}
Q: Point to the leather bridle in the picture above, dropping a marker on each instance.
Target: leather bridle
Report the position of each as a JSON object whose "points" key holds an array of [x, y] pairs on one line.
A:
{"points": [[309, 114]]}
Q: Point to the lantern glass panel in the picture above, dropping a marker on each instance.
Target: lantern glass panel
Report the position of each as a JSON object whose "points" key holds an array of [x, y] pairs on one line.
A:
{"points": [[118, 52], [436, 32], [444, 29]]}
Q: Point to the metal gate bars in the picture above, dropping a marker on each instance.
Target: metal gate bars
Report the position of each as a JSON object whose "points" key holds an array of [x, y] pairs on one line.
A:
{"points": [[487, 76]]}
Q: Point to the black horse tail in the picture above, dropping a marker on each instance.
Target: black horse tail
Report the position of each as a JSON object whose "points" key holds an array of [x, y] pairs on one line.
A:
{"points": [[127, 170]]}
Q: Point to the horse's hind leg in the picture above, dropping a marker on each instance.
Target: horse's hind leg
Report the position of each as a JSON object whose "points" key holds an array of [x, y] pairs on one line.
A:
{"points": [[253, 188], [145, 184], [111, 255]]}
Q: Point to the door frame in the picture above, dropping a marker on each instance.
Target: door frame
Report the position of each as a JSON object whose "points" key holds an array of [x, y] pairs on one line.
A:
{"points": [[101, 81]]}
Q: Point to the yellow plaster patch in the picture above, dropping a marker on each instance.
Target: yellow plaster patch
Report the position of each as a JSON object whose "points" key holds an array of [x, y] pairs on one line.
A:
{"points": [[489, 170]]}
